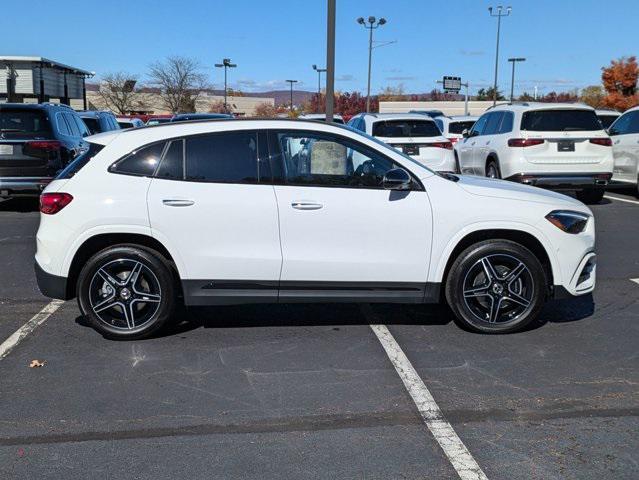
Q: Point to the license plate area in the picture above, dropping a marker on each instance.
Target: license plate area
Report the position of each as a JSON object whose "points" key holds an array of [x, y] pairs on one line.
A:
{"points": [[6, 149], [566, 146], [411, 149]]}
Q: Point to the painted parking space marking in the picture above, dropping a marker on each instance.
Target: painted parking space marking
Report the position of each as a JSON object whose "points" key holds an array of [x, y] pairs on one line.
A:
{"points": [[455, 450], [636, 280], [35, 321], [627, 200]]}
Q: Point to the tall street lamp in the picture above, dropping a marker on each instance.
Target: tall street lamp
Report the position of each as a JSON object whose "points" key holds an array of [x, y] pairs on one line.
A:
{"points": [[512, 82], [226, 64], [499, 13], [291, 82], [371, 25], [319, 82]]}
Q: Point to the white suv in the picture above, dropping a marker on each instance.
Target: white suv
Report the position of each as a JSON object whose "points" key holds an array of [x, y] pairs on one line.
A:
{"points": [[551, 145], [414, 134], [265, 211], [453, 127], [625, 147]]}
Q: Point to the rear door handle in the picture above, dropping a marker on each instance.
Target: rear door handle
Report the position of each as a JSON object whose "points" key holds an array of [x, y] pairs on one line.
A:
{"points": [[178, 202], [303, 205]]}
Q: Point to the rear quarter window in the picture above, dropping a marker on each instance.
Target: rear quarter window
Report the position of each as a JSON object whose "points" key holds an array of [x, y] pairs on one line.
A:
{"points": [[560, 120], [142, 162], [79, 162]]}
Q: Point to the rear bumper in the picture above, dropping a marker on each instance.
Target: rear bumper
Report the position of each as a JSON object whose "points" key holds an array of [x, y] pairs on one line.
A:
{"points": [[51, 285], [23, 186], [565, 181]]}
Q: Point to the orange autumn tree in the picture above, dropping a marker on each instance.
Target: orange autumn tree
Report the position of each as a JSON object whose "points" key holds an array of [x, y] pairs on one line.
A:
{"points": [[620, 83]]}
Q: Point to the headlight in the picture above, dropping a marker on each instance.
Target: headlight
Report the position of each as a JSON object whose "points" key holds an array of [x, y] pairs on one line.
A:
{"points": [[568, 221]]}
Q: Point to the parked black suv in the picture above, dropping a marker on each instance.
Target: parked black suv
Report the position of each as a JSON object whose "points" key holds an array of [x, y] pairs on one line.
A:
{"points": [[98, 121], [36, 141]]}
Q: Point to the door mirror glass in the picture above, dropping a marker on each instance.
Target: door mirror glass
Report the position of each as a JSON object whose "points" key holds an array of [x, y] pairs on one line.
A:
{"points": [[397, 179], [465, 133]]}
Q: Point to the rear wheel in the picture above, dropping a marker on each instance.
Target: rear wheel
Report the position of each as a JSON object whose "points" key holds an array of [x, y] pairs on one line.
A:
{"points": [[126, 292], [496, 286], [492, 169], [590, 195]]}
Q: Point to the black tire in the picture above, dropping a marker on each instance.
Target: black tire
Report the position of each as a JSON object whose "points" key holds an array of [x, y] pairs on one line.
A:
{"points": [[492, 169], [107, 286], [474, 298], [590, 195]]}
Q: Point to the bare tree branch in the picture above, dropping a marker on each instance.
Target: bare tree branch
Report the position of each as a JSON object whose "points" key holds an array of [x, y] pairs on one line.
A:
{"points": [[179, 81], [118, 93]]}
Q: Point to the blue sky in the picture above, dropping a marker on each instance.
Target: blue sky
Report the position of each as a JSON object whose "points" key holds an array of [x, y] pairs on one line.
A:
{"points": [[566, 42]]}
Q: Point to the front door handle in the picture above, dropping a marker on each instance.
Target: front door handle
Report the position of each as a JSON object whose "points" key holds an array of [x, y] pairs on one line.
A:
{"points": [[178, 202], [303, 205]]}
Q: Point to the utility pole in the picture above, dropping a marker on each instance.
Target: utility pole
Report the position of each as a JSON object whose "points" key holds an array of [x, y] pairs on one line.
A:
{"points": [[291, 82], [330, 59], [499, 14], [319, 83], [371, 25], [512, 82], [226, 64]]}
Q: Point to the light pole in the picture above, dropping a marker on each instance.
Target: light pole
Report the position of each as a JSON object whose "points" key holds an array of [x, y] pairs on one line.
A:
{"points": [[499, 14], [226, 64], [512, 82], [319, 83], [330, 58], [291, 82], [371, 25]]}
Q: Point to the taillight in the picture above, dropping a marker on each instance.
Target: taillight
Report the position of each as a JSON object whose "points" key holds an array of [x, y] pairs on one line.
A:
{"points": [[47, 145], [453, 140], [525, 142], [51, 203], [604, 142], [446, 145]]}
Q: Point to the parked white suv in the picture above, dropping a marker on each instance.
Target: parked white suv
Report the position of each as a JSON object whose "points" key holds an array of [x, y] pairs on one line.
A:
{"points": [[607, 117], [625, 147], [561, 146], [453, 127], [414, 134], [231, 212]]}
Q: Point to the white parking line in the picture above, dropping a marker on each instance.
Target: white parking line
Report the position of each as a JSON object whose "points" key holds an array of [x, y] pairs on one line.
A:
{"points": [[37, 320], [636, 280], [457, 453], [610, 197]]}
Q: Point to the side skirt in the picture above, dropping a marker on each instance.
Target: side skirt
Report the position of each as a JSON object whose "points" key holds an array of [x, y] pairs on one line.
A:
{"points": [[237, 292]]}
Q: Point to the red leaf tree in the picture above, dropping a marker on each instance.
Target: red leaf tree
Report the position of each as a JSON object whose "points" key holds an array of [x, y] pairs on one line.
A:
{"points": [[620, 83]]}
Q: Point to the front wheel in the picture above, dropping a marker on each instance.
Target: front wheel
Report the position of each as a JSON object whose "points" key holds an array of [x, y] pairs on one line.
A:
{"points": [[590, 195], [496, 286], [126, 292]]}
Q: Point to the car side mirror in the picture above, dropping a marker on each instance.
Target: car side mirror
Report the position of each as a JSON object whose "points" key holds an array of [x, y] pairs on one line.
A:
{"points": [[397, 179], [465, 133]]}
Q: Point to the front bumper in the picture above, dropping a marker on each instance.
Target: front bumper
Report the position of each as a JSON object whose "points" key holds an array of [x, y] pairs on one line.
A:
{"points": [[563, 181], [22, 186], [51, 285]]}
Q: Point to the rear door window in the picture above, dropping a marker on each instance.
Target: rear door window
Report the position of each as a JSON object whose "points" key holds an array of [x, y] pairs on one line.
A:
{"points": [[507, 122], [405, 128], [569, 120], [24, 123], [228, 157], [172, 167]]}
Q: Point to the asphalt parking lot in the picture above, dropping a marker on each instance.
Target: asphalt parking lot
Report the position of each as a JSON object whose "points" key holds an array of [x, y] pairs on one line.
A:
{"points": [[308, 391]]}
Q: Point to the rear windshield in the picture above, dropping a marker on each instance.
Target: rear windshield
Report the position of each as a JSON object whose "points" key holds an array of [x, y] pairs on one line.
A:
{"points": [[405, 128], [80, 161], [560, 121], [459, 127], [92, 124], [607, 120], [23, 123]]}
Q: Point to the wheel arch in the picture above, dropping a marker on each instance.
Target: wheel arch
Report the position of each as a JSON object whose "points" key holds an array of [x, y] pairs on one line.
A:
{"points": [[491, 157], [98, 242], [523, 237]]}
